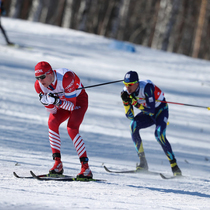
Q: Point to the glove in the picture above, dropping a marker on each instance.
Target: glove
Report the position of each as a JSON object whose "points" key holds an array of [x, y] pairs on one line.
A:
{"points": [[54, 98], [125, 98], [50, 98], [43, 99], [141, 107], [134, 102], [133, 99]]}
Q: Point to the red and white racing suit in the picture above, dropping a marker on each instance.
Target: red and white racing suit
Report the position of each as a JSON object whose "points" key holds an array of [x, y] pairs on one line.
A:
{"points": [[74, 104]]}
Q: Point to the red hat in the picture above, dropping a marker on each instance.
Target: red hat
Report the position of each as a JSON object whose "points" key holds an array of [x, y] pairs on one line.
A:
{"points": [[42, 67]]}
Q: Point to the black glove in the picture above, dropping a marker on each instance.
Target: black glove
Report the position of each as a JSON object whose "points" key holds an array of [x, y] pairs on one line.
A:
{"points": [[125, 98]]}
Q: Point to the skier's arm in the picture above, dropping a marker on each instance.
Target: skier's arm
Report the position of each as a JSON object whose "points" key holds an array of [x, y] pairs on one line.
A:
{"points": [[129, 113], [69, 92], [49, 107]]}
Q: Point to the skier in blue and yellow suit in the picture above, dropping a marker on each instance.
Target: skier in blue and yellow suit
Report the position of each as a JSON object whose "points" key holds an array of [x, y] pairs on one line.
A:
{"points": [[147, 97]]}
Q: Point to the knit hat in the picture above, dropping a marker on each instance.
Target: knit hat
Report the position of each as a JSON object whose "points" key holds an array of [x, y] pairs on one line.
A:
{"points": [[42, 67], [131, 76]]}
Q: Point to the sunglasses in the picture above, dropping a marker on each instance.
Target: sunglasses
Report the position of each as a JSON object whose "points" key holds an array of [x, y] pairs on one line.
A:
{"points": [[43, 76], [129, 84]]}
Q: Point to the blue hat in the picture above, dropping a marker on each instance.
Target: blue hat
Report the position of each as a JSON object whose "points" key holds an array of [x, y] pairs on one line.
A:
{"points": [[131, 76]]}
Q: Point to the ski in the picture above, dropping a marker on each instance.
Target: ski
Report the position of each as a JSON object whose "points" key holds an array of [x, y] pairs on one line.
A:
{"points": [[27, 177], [57, 177], [170, 177], [131, 171]]}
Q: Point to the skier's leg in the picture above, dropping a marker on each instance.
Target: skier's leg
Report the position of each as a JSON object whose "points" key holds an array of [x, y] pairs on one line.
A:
{"points": [[53, 123], [160, 134], [140, 121], [4, 33], [73, 125]]}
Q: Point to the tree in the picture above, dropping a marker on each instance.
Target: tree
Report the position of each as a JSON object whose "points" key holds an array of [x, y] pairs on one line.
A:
{"points": [[67, 14], [164, 15], [161, 24], [199, 29], [170, 24], [83, 14], [123, 16]]}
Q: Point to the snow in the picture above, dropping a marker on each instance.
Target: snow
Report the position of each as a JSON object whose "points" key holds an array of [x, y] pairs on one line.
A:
{"points": [[105, 129]]}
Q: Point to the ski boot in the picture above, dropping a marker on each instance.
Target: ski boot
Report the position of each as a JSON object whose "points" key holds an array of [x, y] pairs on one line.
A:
{"points": [[85, 170], [175, 169], [58, 166], [143, 164]]}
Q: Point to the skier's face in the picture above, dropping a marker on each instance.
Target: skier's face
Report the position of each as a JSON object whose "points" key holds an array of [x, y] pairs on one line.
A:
{"points": [[132, 88], [47, 80]]}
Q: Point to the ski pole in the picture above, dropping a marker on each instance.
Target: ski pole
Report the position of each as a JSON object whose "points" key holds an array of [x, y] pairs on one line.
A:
{"points": [[169, 102], [106, 83], [184, 104]]}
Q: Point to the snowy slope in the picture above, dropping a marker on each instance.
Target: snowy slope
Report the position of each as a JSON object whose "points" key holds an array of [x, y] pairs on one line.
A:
{"points": [[105, 130]]}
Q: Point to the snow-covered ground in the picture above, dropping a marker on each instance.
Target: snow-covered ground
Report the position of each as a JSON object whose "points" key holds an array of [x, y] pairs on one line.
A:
{"points": [[24, 133]]}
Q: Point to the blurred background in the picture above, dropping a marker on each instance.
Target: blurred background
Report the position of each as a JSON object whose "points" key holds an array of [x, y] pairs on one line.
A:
{"points": [[179, 26]]}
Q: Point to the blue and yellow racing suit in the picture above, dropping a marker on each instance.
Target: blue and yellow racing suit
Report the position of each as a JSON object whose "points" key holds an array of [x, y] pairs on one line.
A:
{"points": [[154, 111]]}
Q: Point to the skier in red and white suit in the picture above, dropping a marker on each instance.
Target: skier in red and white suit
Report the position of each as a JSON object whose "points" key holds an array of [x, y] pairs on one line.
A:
{"points": [[58, 92]]}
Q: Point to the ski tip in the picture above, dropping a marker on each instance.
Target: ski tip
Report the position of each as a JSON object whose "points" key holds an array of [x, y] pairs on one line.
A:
{"points": [[170, 177], [106, 168], [15, 175], [34, 175], [163, 176]]}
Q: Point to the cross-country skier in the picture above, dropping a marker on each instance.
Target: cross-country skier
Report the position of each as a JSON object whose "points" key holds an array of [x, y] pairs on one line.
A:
{"points": [[1, 27], [58, 92], [144, 95]]}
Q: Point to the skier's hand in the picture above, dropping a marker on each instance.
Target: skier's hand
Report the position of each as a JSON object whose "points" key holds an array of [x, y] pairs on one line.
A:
{"points": [[54, 99], [141, 107], [43, 99], [134, 102], [50, 98], [125, 98]]}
